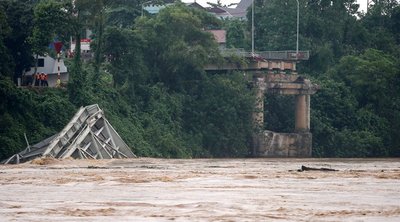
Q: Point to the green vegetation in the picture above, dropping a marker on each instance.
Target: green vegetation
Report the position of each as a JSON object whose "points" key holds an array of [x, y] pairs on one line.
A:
{"points": [[355, 59], [147, 74]]}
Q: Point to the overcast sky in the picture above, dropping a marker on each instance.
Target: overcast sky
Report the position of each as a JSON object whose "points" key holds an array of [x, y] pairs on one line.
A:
{"points": [[363, 3]]}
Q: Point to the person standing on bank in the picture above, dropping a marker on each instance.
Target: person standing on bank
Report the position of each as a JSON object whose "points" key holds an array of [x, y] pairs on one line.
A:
{"points": [[41, 79], [37, 79], [58, 83], [44, 79]]}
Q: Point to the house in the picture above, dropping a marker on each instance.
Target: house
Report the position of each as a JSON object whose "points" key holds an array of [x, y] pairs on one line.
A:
{"points": [[195, 5], [239, 12], [219, 12], [155, 8], [86, 53], [220, 37], [50, 66]]}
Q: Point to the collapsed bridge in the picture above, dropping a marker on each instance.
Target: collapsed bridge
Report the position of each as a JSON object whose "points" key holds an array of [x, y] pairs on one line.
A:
{"points": [[88, 135], [275, 72]]}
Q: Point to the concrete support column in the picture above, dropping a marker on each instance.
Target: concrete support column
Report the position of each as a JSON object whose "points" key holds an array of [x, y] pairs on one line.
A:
{"points": [[308, 111], [258, 115], [302, 115]]}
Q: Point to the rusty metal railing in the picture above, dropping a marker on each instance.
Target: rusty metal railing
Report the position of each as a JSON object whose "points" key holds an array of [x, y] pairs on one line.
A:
{"points": [[285, 55], [269, 55]]}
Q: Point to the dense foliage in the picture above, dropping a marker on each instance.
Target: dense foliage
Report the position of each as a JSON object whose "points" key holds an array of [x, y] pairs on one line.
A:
{"points": [[355, 57], [147, 74]]}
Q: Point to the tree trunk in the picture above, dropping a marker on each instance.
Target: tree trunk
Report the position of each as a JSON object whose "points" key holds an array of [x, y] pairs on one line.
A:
{"points": [[99, 42], [36, 63]]}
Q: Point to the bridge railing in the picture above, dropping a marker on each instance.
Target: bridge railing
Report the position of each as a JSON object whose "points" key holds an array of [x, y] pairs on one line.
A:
{"points": [[285, 55], [269, 55], [235, 52]]}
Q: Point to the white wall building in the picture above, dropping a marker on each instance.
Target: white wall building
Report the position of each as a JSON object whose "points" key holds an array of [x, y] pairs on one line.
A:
{"points": [[49, 66]]}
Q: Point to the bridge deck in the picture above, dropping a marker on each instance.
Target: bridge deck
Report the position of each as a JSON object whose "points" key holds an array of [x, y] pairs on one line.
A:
{"points": [[267, 60], [288, 55]]}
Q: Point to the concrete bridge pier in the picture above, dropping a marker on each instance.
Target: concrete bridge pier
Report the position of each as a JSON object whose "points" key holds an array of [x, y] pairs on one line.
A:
{"points": [[302, 113], [275, 72], [258, 115], [292, 144]]}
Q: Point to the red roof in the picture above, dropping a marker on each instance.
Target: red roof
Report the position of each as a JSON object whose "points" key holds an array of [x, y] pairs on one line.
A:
{"points": [[219, 35]]}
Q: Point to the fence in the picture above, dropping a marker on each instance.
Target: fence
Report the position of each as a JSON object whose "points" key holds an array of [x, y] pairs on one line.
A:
{"points": [[269, 55]]}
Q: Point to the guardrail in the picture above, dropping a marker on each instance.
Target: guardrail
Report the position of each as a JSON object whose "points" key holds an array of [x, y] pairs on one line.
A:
{"points": [[269, 55], [285, 55], [235, 52]]}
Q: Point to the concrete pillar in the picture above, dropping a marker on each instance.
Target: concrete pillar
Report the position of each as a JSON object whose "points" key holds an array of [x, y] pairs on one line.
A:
{"points": [[258, 115], [308, 111], [302, 115]]}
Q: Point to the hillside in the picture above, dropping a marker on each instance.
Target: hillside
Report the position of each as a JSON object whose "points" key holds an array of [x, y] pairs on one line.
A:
{"points": [[147, 74]]}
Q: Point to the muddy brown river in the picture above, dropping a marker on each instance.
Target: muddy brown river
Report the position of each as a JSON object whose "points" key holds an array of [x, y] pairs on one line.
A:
{"points": [[146, 189]]}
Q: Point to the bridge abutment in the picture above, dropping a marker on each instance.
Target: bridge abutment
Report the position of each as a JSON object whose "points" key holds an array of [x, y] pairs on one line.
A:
{"points": [[289, 144], [275, 72], [273, 144]]}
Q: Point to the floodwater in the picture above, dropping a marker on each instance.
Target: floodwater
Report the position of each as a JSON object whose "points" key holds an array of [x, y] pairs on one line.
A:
{"points": [[147, 189]]}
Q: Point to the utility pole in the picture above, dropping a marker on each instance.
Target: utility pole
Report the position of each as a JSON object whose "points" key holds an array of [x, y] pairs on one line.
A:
{"points": [[297, 35], [252, 28]]}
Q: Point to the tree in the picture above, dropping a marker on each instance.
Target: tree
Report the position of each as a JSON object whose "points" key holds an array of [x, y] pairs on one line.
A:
{"points": [[381, 22], [236, 36], [279, 113], [328, 29], [122, 13], [353, 114], [98, 13], [19, 19], [177, 47], [219, 115], [124, 54], [50, 19], [5, 61], [275, 26], [333, 110], [373, 76], [93, 16]]}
